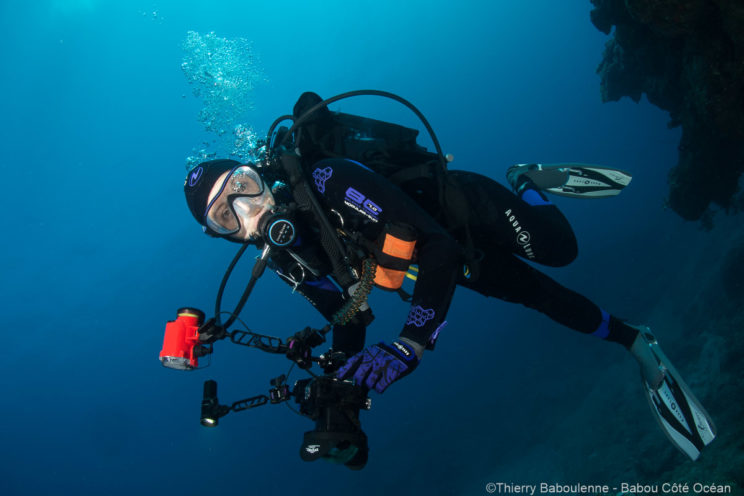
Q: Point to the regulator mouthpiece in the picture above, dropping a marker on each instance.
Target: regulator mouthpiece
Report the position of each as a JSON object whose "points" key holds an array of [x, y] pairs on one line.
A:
{"points": [[181, 337]]}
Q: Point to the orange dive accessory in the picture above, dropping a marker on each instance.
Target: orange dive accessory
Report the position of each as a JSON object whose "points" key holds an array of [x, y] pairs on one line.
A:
{"points": [[181, 338], [395, 255]]}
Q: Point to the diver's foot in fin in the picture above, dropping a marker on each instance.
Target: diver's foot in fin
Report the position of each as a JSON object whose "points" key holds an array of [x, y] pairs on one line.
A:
{"points": [[651, 372], [573, 180], [516, 178], [680, 415], [523, 176]]}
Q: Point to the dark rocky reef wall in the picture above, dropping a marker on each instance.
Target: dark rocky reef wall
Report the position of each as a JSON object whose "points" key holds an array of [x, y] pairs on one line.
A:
{"points": [[687, 56]]}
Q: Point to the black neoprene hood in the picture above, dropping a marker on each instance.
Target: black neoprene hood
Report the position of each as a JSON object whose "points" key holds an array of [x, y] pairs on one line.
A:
{"points": [[199, 183]]}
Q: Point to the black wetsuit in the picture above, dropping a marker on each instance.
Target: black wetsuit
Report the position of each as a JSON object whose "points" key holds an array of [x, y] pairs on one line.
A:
{"points": [[506, 227], [503, 226]]}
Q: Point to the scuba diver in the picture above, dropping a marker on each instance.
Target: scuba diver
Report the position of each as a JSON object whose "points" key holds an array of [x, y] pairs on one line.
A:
{"points": [[341, 203]]}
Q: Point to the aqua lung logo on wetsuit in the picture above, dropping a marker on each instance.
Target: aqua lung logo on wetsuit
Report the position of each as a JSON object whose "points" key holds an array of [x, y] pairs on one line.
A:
{"points": [[523, 237], [362, 204]]}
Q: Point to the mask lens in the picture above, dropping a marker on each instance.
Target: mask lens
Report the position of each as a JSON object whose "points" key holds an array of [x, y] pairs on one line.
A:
{"points": [[241, 188], [245, 181], [222, 219], [248, 207]]}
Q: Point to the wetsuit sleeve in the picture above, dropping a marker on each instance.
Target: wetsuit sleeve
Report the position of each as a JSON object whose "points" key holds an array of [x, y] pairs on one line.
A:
{"points": [[438, 262], [367, 202]]}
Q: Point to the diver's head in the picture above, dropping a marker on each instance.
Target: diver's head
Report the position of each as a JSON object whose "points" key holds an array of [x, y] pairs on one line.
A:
{"points": [[228, 199]]}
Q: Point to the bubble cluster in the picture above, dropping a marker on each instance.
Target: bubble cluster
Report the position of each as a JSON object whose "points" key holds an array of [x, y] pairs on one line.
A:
{"points": [[224, 73], [245, 148], [244, 143], [199, 155]]}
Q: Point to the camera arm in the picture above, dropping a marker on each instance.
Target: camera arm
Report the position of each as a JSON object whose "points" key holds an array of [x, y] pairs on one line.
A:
{"points": [[212, 411], [297, 347]]}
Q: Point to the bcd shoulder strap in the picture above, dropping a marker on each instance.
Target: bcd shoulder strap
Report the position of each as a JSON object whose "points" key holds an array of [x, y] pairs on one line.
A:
{"points": [[329, 240]]}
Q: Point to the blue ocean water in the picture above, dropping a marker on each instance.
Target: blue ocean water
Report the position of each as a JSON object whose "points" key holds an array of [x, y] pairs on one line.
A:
{"points": [[100, 250]]}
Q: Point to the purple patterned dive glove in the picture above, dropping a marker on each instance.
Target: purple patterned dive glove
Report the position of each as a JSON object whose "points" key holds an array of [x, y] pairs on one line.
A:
{"points": [[380, 365]]}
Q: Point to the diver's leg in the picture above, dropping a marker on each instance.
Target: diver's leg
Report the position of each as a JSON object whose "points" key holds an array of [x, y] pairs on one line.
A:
{"points": [[506, 277], [528, 225]]}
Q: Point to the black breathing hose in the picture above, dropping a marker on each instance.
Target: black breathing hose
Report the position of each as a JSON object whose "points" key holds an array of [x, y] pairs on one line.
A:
{"points": [[273, 125], [256, 273]]}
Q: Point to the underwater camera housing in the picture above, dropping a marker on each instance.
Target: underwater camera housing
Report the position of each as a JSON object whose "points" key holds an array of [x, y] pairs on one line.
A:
{"points": [[334, 405]]}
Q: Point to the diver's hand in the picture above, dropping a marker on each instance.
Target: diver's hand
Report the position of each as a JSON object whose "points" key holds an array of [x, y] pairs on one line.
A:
{"points": [[380, 365]]}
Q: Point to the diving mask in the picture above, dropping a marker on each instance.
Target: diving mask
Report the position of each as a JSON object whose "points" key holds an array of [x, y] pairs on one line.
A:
{"points": [[238, 202]]}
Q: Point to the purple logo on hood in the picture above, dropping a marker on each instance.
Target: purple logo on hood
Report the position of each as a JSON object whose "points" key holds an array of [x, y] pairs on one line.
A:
{"points": [[195, 175]]}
